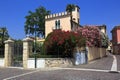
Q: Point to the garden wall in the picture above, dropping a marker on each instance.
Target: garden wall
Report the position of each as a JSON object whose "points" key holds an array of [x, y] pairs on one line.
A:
{"points": [[95, 53], [49, 62], [1, 62]]}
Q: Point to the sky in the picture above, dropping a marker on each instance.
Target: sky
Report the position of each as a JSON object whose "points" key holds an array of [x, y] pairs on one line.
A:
{"points": [[92, 12]]}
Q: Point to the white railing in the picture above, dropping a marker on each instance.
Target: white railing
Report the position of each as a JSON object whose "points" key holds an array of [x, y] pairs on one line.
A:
{"points": [[55, 28]]}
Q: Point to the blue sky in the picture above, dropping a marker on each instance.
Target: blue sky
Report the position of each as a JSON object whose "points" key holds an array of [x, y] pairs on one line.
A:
{"points": [[92, 12]]}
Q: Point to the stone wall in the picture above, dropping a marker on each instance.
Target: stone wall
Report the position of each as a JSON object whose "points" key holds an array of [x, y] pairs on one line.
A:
{"points": [[58, 62], [49, 62]]}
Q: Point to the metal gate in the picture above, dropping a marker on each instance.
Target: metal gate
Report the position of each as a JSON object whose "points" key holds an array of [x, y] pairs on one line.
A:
{"points": [[1, 52], [18, 54]]}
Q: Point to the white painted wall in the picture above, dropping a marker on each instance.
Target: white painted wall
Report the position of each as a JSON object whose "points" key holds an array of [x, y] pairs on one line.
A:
{"points": [[40, 63], [2, 62]]}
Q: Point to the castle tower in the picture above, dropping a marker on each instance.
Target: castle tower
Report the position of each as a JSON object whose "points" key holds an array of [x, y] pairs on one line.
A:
{"points": [[76, 14]]}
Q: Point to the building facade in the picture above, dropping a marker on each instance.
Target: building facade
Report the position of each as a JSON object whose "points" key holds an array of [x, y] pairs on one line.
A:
{"points": [[116, 39], [103, 29], [62, 21]]}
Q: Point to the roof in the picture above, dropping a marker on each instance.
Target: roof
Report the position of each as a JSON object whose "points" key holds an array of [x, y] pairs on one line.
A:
{"points": [[99, 26], [77, 6], [115, 28]]}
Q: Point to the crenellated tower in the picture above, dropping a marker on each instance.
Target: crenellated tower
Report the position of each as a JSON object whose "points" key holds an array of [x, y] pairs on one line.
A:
{"points": [[76, 14], [62, 21]]}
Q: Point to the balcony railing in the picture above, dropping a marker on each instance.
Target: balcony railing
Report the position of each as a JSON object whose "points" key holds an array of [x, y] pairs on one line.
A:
{"points": [[58, 27]]}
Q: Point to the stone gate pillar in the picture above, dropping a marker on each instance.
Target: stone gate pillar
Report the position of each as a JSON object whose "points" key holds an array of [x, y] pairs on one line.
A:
{"points": [[9, 51], [27, 49]]}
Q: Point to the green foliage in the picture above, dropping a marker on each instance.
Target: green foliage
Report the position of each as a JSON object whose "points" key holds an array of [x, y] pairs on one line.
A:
{"points": [[19, 58], [37, 19], [70, 8], [19, 42], [3, 36], [44, 56], [39, 48], [104, 40]]}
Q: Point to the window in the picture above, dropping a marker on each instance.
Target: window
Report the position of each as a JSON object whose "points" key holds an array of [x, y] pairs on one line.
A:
{"points": [[57, 24]]}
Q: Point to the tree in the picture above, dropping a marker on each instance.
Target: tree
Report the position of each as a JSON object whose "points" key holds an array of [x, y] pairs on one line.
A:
{"points": [[37, 19], [104, 40], [69, 9], [3, 35]]}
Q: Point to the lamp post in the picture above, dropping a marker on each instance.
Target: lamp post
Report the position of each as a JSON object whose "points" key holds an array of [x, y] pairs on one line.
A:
{"points": [[35, 48], [35, 35]]}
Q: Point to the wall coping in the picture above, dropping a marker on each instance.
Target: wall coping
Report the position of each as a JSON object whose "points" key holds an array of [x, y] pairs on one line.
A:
{"points": [[1, 58], [9, 41], [48, 58], [27, 39]]}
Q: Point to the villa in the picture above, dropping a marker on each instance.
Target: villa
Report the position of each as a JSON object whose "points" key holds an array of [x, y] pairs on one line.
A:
{"points": [[64, 22], [67, 21]]}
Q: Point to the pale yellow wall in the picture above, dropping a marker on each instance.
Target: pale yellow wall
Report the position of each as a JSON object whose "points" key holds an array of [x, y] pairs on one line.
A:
{"points": [[95, 53], [76, 15], [103, 30], [64, 24], [64, 18]]}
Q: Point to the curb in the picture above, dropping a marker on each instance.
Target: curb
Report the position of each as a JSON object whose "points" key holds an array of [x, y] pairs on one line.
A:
{"points": [[113, 71]]}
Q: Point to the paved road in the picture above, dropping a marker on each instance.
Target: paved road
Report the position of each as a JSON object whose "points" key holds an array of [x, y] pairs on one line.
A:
{"points": [[104, 64], [69, 75], [73, 73], [118, 62], [8, 72]]}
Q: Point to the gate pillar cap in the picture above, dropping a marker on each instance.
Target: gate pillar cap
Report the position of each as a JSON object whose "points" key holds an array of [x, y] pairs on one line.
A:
{"points": [[10, 40], [27, 39]]}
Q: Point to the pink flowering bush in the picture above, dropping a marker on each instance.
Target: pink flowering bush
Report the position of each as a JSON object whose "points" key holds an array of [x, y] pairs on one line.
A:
{"points": [[91, 34]]}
